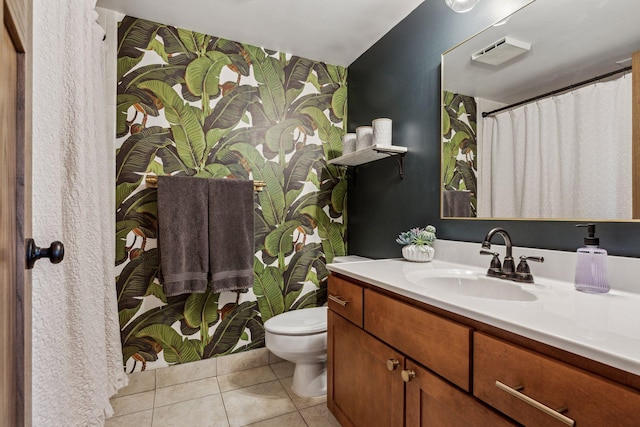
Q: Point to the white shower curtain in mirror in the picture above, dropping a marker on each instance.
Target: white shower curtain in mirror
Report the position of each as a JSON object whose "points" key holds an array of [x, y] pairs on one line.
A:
{"points": [[567, 156]]}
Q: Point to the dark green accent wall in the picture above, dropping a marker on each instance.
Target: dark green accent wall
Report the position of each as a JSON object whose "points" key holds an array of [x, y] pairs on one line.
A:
{"points": [[399, 77]]}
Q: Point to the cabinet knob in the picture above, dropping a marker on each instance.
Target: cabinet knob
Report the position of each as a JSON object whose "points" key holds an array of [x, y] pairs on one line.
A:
{"points": [[408, 375], [392, 364]]}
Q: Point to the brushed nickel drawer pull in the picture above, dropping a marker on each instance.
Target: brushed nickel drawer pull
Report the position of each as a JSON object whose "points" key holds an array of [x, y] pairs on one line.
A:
{"points": [[337, 300], [555, 414]]}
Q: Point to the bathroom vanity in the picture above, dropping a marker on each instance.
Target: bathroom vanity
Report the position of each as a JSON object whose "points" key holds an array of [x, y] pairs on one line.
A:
{"points": [[441, 344]]}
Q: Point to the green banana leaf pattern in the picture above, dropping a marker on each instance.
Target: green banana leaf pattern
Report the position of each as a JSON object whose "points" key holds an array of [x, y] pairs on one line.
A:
{"points": [[459, 145], [197, 105]]}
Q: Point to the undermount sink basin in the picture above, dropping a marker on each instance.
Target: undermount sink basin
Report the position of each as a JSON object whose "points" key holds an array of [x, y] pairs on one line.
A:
{"points": [[470, 283]]}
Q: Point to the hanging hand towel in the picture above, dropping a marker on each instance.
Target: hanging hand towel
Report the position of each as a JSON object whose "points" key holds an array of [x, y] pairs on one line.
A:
{"points": [[456, 204], [183, 234], [231, 235]]}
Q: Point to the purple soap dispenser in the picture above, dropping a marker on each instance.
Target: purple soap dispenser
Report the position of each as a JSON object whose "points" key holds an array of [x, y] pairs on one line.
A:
{"points": [[591, 265]]}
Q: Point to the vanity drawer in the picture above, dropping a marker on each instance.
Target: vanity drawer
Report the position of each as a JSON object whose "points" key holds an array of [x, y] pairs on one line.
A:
{"points": [[345, 298], [440, 344], [516, 381]]}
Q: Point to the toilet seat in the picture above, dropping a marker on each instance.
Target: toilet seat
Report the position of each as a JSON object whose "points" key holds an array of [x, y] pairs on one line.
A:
{"points": [[307, 321]]}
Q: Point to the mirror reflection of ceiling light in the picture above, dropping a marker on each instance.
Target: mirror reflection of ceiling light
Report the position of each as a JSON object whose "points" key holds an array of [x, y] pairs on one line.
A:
{"points": [[502, 22], [624, 62], [461, 6]]}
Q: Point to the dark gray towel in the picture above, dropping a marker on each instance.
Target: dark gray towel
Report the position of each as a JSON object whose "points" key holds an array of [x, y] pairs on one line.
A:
{"points": [[183, 234], [456, 204], [231, 235]]}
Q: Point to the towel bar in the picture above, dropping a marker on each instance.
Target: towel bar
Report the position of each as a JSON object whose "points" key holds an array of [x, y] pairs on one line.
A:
{"points": [[152, 182]]}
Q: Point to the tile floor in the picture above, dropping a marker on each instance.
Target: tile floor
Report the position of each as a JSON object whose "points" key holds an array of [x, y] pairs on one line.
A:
{"points": [[247, 389]]}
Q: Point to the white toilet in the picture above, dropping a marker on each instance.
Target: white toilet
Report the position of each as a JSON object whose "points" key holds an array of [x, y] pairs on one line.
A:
{"points": [[300, 336]]}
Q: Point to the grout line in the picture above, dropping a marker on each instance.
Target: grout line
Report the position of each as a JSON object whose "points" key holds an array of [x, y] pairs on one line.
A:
{"points": [[279, 380], [278, 416], [226, 414], [275, 374], [155, 392]]}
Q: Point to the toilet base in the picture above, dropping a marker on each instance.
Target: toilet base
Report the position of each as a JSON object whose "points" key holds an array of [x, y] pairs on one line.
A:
{"points": [[310, 379]]}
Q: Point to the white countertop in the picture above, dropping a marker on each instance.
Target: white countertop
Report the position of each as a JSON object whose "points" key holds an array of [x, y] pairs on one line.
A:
{"points": [[603, 327]]}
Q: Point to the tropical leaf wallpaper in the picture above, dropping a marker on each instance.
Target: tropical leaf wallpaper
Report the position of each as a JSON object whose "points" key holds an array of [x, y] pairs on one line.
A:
{"points": [[197, 105], [459, 145]]}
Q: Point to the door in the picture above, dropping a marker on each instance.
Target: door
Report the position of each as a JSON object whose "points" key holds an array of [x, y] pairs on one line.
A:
{"points": [[15, 212], [365, 388], [431, 401]]}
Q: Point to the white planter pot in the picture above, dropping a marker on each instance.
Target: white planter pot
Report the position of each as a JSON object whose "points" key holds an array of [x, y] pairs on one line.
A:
{"points": [[418, 253]]}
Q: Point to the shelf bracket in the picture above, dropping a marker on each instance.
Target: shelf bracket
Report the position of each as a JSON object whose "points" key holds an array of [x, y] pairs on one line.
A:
{"points": [[399, 159]]}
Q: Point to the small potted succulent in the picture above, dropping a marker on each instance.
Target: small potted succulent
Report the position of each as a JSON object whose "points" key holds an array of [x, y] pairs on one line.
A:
{"points": [[417, 243]]}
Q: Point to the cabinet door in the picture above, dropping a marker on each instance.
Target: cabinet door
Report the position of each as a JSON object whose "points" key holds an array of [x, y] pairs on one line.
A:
{"points": [[362, 391], [431, 401]]}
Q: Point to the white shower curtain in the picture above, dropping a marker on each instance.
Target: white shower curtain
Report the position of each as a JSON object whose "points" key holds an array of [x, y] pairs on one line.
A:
{"points": [[567, 156], [77, 355]]}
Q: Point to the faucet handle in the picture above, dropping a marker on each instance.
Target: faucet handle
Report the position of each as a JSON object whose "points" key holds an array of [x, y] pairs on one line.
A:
{"points": [[483, 252], [531, 258], [495, 268], [523, 272]]}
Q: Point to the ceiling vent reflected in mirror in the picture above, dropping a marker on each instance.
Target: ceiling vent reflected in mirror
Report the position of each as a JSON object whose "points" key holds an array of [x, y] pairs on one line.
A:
{"points": [[501, 51]]}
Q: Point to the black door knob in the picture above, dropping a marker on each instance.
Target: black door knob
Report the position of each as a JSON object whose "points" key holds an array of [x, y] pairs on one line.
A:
{"points": [[55, 252]]}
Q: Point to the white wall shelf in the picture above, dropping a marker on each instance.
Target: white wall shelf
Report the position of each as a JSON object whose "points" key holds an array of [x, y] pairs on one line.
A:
{"points": [[371, 154]]}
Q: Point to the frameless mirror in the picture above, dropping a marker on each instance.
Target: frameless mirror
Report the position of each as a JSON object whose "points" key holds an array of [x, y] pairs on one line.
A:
{"points": [[554, 82]]}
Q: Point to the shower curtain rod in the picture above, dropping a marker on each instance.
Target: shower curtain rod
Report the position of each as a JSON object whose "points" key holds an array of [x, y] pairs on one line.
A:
{"points": [[573, 86]]}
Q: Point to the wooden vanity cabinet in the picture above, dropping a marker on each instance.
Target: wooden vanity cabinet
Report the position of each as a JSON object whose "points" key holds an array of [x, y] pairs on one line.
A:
{"points": [[456, 373], [536, 390], [361, 391], [431, 401], [440, 344], [372, 382], [346, 299]]}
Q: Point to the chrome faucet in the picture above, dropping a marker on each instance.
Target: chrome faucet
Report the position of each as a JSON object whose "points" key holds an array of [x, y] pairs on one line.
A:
{"points": [[506, 270]]}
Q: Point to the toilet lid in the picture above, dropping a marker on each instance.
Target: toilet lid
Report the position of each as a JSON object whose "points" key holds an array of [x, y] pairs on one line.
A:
{"points": [[305, 321]]}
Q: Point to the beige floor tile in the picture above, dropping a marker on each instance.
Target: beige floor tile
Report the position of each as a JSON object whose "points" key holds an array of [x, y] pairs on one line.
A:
{"points": [[241, 361], [139, 382], [274, 359], [256, 403], [283, 369], [186, 372], [203, 412], [132, 403], [137, 419], [294, 419], [186, 391], [246, 378], [319, 416], [301, 402]]}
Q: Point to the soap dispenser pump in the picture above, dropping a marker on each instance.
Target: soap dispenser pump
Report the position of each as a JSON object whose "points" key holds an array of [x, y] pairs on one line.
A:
{"points": [[591, 264]]}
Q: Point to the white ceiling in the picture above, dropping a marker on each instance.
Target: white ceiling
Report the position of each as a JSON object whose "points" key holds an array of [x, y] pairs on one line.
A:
{"points": [[332, 31], [572, 40]]}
